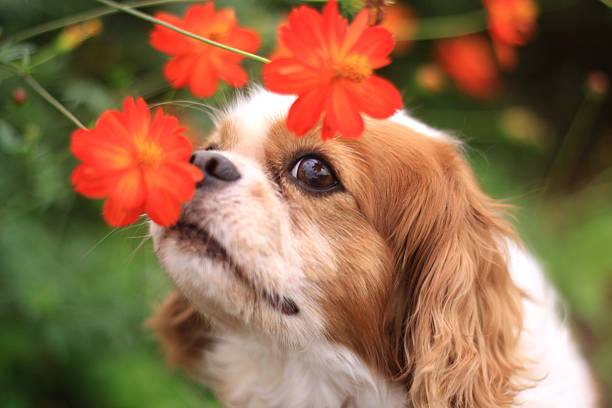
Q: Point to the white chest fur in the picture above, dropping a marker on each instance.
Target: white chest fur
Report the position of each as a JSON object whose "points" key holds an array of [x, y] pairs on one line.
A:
{"points": [[246, 371]]}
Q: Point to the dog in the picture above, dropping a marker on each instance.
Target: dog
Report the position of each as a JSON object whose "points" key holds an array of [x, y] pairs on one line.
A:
{"points": [[368, 272]]}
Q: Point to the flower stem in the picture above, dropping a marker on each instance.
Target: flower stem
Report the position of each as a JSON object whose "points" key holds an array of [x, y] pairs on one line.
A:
{"points": [[565, 160], [154, 20], [49, 98], [80, 17], [38, 88], [450, 26]]}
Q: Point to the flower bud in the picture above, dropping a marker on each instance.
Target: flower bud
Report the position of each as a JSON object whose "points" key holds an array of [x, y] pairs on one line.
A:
{"points": [[430, 77], [19, 95], [597, 84], [71, 37]]}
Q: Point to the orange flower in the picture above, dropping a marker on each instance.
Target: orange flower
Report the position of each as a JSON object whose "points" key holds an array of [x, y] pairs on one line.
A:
{"points": [[507, 56], [511, 21], [141, 165], [199, 65], [329, 67], [469, 62]]}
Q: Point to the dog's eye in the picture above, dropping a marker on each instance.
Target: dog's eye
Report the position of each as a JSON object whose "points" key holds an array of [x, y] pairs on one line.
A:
{"points": [[314, 174], [212, 147]]}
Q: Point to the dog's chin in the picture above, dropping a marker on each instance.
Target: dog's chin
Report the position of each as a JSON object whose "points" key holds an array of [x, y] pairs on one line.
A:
{"points": [[207, 274]]}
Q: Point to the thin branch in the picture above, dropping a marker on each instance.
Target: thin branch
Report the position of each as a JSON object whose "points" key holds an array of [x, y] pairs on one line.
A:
{"points": [[450, 26], [29, 79], [154, 20], [80, 17]]}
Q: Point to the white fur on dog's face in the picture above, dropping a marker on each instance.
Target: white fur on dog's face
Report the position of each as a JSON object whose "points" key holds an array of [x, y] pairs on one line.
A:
{"points": [[264, 285], [287, 248]]}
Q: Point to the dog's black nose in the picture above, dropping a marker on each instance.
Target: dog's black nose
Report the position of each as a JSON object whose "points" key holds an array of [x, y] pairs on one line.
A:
{"points": [[215, 166]]}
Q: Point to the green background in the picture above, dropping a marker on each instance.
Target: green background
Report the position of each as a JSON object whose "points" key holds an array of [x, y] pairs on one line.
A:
{"points": [[74, 294]]}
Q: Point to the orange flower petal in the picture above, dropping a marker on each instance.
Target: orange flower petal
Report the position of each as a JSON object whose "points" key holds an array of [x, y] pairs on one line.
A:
{"points": [[306, 110], [90, 183], [163, 127], [334, 26], [303, 35], [169, 41], [176, 179], [232, 73], [203, 82], [119, 216], [377, 97], [200, 15], [512, 22], [470, 63], [244, 39], [342, 114], [289, 76], [98, 152], [225, 18], [161, 206], [178, 70], [355, 30], [376, 43], [138, 116], [129, 189]]}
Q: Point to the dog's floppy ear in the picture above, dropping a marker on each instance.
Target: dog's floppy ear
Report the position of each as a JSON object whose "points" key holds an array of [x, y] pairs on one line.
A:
{"points": [[455, 315], [182, 330]]}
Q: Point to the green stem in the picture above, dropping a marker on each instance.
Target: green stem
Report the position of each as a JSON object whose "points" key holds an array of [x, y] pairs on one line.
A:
{"points": [[572, 144], [154, 20], [450, 26], [38, 88], [80, 17], [607, 3], [49, 98]]}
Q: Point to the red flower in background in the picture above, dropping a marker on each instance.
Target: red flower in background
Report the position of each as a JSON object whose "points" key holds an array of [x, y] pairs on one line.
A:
{"points": [[330, 65], [196, 64], [402, 21], [470, 63], [141, 165], [511, 22]]}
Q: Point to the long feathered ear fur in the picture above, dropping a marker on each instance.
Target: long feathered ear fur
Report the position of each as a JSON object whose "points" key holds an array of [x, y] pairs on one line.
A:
{"points": [[182, 330], [456, 315]]}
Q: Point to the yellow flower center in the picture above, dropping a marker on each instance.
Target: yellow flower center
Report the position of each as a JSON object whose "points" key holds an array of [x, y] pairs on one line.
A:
{"points": [[217, 32], [354, 68], [148, 153]]}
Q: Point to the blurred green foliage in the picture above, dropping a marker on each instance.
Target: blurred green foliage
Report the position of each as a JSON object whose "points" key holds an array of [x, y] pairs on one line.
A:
{"points": [[74, 294]]}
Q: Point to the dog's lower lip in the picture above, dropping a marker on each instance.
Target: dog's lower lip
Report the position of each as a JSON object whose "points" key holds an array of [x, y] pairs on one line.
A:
{"points": [[215, 250], [212, 247]]}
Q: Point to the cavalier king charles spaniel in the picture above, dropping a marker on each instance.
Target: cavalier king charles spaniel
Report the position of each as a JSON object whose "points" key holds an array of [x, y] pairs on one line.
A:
{"points": [[368, 272]]}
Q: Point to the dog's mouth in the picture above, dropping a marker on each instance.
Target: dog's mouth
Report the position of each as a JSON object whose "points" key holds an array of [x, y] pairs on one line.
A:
{"points": [[212, 249]]}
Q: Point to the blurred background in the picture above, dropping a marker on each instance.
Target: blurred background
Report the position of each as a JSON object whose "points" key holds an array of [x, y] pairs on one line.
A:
{"points": [[532, 104]]}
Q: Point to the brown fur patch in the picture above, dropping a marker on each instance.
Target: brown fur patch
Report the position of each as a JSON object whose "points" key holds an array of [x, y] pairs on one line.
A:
{"points": [[182, 330], [418, 286]]}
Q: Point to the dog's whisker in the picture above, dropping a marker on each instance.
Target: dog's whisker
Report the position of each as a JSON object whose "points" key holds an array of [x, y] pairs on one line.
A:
{"points": [[98, 243], [138, 247]]}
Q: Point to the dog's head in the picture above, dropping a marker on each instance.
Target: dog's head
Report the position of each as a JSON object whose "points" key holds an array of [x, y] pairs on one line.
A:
{"points": [[384, 244]]}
